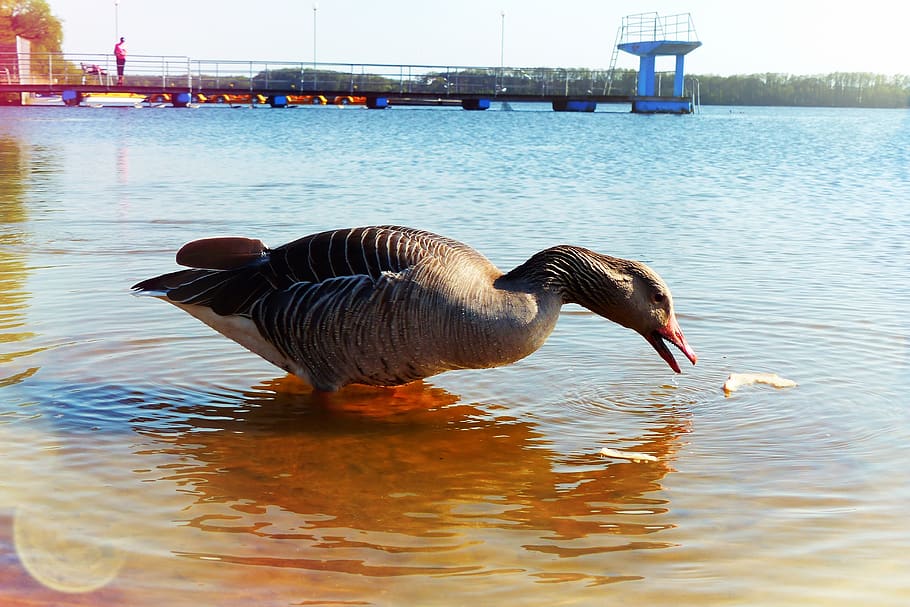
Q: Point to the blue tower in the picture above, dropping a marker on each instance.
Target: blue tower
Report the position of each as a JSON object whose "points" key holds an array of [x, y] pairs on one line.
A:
{"points": [[649, 36]]}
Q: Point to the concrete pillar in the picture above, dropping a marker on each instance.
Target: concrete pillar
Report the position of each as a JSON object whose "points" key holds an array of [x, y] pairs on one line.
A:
{"points": [[680, 75], [646, 75]]}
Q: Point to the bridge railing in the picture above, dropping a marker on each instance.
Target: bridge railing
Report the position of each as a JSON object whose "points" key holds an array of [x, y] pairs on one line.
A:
{"points": [[99, 69], [393, 79], [352, 78], [347, 77]]}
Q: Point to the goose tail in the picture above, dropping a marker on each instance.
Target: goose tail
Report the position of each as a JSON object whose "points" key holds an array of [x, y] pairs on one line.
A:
{"points": [[204, 256], [160, 286], [221, 253]]}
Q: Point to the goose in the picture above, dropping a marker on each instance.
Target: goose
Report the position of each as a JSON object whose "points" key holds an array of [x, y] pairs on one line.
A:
{"points": [[388, 305]]}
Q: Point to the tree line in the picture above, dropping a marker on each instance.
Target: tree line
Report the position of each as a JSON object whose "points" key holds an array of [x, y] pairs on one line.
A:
{"points": [[840, 89]]}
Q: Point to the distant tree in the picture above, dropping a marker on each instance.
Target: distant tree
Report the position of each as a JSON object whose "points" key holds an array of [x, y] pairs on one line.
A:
{"points": [[33, 20]]}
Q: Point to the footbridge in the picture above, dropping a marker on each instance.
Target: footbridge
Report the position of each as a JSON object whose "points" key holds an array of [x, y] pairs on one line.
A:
{"points": [[281, 83]]}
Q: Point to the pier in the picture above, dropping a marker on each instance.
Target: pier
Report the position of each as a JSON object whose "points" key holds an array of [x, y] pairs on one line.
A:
{"points": [[79, 79], [183, 81], [279, 83]]}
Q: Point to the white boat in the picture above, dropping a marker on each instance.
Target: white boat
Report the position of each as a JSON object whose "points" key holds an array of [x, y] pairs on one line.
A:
{"points": [[41, 99], [112, 100]]}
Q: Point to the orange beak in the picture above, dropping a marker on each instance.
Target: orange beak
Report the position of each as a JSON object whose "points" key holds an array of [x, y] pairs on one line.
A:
{"points": [[673, 334]]}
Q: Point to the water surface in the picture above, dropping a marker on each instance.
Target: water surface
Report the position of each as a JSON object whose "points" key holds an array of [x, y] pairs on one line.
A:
{"points": [[149, 461]]}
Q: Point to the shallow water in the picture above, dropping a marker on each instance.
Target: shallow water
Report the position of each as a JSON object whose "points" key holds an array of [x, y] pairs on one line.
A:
{"points": [[149, 461]]}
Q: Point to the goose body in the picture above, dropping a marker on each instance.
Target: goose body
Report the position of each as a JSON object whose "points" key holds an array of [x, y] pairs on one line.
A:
{"points": [[387, 305]]}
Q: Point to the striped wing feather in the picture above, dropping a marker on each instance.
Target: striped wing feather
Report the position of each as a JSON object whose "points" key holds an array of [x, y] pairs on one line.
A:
{"points": [[359, 251]]}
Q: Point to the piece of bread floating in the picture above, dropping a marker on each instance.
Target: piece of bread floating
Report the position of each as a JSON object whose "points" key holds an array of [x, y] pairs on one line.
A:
{"points": [[735, 381], [635, 456]]}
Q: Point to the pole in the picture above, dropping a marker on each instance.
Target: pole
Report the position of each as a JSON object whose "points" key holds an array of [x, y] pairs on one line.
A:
{"points": [[315, 8], [116, 19], [502, 41]]}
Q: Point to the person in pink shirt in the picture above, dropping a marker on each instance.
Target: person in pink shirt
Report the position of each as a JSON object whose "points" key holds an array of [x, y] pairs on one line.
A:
{"points": [[120, 54]]}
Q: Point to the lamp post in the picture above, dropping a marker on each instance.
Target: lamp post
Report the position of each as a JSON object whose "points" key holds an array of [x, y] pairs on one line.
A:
{"points": [[315, 8], [116, 19], [502, 42]]}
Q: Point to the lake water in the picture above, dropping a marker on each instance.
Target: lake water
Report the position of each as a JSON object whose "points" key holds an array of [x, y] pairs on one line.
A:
{"points": [[148, 461]]}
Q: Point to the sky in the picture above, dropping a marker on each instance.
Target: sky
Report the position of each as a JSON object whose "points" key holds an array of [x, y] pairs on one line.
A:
{"points": [[789, 37]]}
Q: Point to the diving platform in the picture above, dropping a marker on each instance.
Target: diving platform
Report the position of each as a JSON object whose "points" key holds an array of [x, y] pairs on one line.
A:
{"points": [[649, 36]]}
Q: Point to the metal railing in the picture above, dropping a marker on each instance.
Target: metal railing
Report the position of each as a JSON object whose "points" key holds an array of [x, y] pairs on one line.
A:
{"points": [[64, 69], [200, 75], [694, 93], [353, 78], [646, 27]]}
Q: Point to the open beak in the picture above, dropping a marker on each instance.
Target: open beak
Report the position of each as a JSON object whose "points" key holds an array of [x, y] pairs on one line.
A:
{"points": [[673, 334]]}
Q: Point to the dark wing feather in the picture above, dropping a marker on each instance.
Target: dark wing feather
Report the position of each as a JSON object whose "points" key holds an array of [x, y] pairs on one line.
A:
{"points": [[225, 291], [351, 252], [164, 283]]}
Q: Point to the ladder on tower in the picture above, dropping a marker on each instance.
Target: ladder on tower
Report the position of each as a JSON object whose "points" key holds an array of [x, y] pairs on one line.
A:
{"points": [[608, 85]]}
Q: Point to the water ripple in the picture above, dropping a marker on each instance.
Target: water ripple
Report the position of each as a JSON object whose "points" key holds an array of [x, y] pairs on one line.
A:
{"points": [[191, 468]]}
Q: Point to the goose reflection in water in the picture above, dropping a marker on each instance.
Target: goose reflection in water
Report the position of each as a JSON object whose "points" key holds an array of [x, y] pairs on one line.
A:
{"points": [[406, 481]]}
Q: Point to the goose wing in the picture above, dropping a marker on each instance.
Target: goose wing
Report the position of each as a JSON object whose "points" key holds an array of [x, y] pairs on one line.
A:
{"points": [[364, 253]]}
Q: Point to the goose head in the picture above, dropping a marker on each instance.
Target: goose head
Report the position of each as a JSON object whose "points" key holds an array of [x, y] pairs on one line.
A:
{"points": [[625, 291]]}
